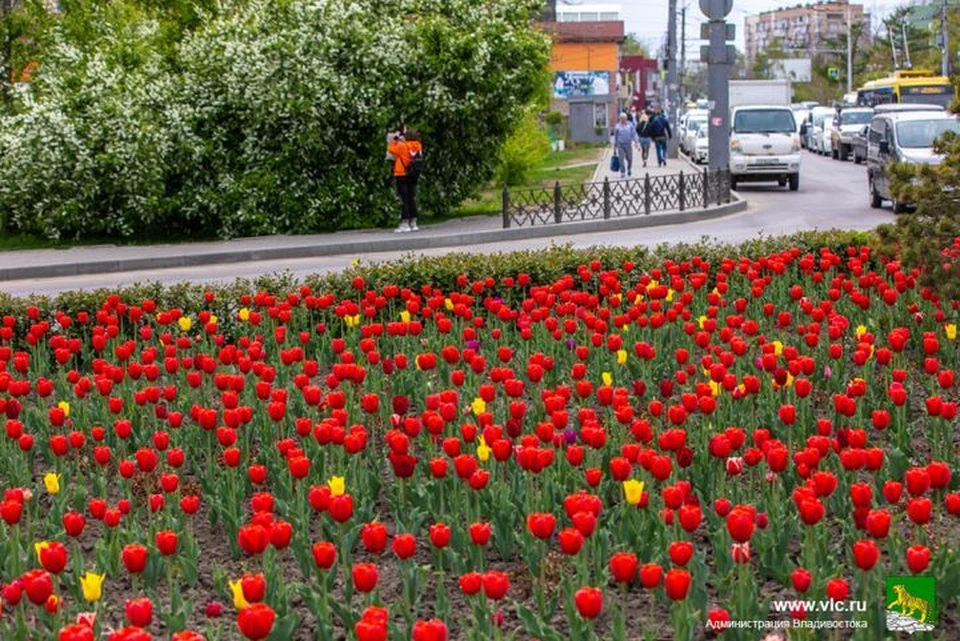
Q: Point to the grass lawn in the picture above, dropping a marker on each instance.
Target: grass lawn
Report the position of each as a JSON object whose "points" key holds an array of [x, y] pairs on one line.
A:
{"points": [[555, 169]]}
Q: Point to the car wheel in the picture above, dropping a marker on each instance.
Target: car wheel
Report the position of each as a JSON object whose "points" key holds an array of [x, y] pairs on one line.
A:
{"points": [[875, 200], [856, 159], [794, 182], [844, 153], [899, 208]]}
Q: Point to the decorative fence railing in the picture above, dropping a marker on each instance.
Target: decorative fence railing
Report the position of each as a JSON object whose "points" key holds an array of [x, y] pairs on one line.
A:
{"points": [[616, 198]]}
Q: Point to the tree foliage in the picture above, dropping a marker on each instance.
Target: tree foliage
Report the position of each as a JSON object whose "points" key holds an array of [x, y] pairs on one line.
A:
{"points": [[239, 118], [928, 238]]}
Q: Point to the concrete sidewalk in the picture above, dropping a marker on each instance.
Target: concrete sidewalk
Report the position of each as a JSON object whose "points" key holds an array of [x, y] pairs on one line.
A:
{"points": [[674, 166], [451, 234]]}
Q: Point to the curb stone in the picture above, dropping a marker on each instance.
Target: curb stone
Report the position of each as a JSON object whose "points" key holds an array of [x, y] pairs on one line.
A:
{"points": [[361, 247]]}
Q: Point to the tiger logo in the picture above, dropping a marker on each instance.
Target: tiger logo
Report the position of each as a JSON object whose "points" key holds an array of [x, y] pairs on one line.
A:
{"points": [[909, 604]]}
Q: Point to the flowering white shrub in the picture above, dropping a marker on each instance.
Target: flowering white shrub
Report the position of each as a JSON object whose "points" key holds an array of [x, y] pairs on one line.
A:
{"points": [[268, 118]]}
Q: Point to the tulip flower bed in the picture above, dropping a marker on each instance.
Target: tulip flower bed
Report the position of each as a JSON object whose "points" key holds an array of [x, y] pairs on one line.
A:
{"points": [[616, 453]]}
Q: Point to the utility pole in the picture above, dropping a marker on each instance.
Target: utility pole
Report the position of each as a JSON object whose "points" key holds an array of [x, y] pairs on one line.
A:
{"points": [[907, 64], [683, 53], [671, 107], [719, 57], [944, 50], [893, 46], [850, 52]]}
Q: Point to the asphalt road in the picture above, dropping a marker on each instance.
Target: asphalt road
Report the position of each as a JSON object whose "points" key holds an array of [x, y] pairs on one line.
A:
{"points": [[832, 195]]}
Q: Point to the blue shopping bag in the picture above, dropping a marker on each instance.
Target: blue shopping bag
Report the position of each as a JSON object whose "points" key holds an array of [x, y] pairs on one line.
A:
{"points": [[614, 162]]}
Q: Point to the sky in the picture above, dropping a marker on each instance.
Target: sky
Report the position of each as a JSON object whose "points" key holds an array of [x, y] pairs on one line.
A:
{"points": [[648, 18]]}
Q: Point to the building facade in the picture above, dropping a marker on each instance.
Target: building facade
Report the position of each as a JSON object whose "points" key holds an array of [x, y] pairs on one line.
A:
{"points": [[584, 67], [639, 83], [803, 31]]}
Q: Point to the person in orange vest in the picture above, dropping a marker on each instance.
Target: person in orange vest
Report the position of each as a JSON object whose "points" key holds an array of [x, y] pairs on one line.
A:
{"points": [[407, 151]]}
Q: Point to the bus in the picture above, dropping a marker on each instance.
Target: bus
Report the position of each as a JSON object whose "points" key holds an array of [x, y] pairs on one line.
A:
{"points": [[907, 86]]}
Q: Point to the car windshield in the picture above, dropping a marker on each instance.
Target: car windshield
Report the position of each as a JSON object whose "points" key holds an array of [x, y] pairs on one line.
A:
{"points": [[694, 123], [855, 117], [764, 121], [917, 134]]}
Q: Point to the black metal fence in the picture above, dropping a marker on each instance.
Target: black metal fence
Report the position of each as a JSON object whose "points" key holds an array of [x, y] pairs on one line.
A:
{"points": [[615, 199]]}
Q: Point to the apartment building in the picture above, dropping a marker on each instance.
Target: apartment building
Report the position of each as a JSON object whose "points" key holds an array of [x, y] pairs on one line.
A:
{"points": [[802, 30]]}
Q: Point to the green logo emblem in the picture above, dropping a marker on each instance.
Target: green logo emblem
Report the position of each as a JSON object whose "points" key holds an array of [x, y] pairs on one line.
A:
{"points": [[911, 603]]}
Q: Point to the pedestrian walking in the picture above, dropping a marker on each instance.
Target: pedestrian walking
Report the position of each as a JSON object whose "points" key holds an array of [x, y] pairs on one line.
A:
{"points": [[643, 133], [660, 133], [624, 137], [407, 151]]}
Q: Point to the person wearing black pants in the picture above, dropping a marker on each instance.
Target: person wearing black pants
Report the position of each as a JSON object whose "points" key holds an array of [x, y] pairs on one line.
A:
{"points": [[406, 149]]}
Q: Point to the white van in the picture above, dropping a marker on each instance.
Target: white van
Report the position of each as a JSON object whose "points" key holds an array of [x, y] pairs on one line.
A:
{"points": [[764, 146]]}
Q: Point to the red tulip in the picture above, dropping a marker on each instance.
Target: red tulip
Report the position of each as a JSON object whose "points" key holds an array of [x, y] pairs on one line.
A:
{"points": [[324, 554], [623, 567], [838, 589], [134, 557], [650, 575], [433, 630], [495, 585], [341, 508], [365, 577], [256, 621], [740, 524], [801, 580], [541, 524], [73, 524], [589, 602], [254, 587], [130, 633], [681, 552], [677, 583], [253, 539], [470, 583], [38, 585], [139, 612], [167, 541], [865, 554], [76, 632], [53, 556], [480, 533], [918, 510], [374, 537], [878, 523], [404, 546], [918, 558], [570, 541], [439, 535]]}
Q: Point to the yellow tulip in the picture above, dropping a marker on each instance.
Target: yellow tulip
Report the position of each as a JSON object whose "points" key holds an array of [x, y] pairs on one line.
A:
{"points": [[352, 321], [40, 547], [65, 406], [404, 316], [185, 323], [479, 406], [51, 481], [861, 330], [633, 491], [483, 451], [213, 320], [448, 304], [607, 379], [237, 589], [777, 348], [715, 388], [355, 262], [621, 357], [701, 321], [337, 485], [951, 331], [670, 294], [92, 586], [244, 314]]}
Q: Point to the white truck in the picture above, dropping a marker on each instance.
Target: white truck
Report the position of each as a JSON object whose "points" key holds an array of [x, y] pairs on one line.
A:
{"points": [[764, 143], [760, 92]]}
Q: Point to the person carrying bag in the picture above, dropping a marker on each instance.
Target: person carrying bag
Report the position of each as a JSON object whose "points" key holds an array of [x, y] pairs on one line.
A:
{"points": [[407, 151]]}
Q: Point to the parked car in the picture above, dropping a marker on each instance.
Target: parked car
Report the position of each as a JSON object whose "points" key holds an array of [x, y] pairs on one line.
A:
{"points": [[818, 121], [764, 146], [688, 132], [859, 147], [844, 127], [701, 148], [902, 137], [897, 107]]}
